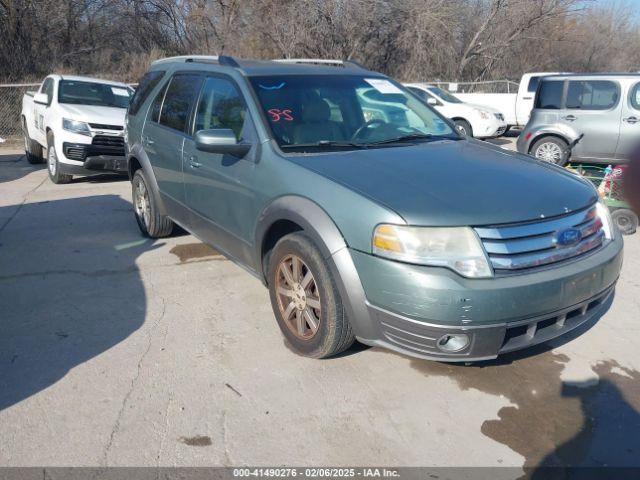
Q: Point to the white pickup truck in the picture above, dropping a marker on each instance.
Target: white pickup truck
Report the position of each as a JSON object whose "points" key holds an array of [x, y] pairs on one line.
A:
{"points": [[516, 107], [77, 124]]}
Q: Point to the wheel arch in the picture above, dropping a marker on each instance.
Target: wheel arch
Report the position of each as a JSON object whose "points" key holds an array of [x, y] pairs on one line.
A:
{"points": [[137, 159], [292, 213], [541, 135], [296, 211]]}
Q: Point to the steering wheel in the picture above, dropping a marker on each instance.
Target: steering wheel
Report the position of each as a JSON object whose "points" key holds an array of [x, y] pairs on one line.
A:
{"points": [[368, 124]]}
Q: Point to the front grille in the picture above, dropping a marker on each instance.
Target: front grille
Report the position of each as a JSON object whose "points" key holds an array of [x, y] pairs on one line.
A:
{"points": [[514, 248], [102, 126], [499, 116], [108, 141]]}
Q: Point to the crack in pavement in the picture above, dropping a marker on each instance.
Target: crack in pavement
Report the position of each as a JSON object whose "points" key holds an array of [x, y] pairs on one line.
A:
{"points": [[19, 207], [125, 400]]}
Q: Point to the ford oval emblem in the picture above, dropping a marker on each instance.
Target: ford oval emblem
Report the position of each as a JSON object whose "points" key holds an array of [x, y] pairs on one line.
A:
{"points": [[568, 237]]}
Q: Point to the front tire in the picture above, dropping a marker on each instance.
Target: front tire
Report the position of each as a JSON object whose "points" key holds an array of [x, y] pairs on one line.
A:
{"points": [[32, 149], [463, 127], [552, 150], [53, 165], [305, 299], [150, 222]]}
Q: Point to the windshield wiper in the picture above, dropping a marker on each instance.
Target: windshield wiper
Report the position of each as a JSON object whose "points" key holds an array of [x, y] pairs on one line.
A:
{"points": [[326, 144], [409, 137]]}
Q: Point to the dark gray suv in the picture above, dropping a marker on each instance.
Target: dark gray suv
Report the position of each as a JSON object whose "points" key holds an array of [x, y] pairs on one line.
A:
{"points": [[364, 212]]}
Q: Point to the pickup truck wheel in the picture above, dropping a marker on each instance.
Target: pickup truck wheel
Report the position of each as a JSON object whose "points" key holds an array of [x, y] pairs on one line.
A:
{"points": [[54, 166], [305, 300], [552, 150], [32, 149], [625, 220], [463, 127], [151, 223]]}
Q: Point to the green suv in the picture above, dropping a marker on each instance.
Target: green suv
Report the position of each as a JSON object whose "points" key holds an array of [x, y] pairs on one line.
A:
{"points": [[364, 212]]}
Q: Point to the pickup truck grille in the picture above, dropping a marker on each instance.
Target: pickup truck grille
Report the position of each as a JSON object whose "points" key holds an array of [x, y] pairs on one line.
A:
{"points": [[108, 141], [102, 126], [513, 248]]}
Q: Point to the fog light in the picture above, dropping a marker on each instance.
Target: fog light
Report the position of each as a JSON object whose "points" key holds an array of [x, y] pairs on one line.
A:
{"points": [[453, 342]]}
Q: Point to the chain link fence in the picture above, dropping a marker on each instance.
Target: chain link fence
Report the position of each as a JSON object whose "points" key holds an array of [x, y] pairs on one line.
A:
{"points": [[488, 86], [10, 108]]}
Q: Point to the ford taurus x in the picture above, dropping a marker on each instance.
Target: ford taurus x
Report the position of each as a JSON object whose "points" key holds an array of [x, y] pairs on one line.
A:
{"points": [[364, 212]]}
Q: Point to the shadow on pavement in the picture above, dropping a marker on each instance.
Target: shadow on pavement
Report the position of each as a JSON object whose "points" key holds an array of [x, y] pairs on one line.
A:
{"points": [[15, 166], [69, 289]]}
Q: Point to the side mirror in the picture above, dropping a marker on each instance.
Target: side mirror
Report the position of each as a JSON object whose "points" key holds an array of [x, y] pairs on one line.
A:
{"points": [[221, 140], [432, 101], [41, 98]]}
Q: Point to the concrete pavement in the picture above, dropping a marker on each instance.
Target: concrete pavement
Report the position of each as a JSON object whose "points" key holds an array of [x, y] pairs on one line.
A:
{"points": [[116, 350]]}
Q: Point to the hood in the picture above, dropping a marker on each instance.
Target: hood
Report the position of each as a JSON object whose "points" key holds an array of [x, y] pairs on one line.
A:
{"points": [[455, 182], [94, 114], [482, 107]]}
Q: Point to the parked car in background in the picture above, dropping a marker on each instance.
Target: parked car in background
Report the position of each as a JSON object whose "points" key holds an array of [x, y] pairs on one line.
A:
{"points": [[602, 108], [516, 107], [76, 124], [477, 121], [394, 229]]}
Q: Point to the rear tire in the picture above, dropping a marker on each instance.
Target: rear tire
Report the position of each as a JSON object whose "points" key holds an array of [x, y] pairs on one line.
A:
{"points": [[305, 299], [463, 127], [145, 209], [32, 149], [625, 220], [53, 165], [552, 150]]}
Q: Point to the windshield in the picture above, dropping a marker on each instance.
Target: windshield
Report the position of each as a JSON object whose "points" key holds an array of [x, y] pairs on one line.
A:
{"points": [[444, 95], [90, 93], [344, 111]]}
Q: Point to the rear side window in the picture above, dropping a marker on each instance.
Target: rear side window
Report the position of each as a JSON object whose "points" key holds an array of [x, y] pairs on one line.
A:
{"points": [[180, 96], [146, 84], [533, 84], [635, 96], [157, 104], [549, 95], [592, 94], [220, 106]]}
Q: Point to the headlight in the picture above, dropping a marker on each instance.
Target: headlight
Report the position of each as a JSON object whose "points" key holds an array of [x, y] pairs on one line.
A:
{"points": [[483, 113], [457, 248], [605, 217], [76, 127]]}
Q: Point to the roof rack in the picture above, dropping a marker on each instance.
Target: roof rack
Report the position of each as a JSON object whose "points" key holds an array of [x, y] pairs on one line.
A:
{"points": [[225, 60], [321, 61]]}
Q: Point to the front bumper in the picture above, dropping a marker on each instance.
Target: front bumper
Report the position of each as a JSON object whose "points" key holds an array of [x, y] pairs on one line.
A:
{"points": [[486, 342], [409, 308], [87, 158]]}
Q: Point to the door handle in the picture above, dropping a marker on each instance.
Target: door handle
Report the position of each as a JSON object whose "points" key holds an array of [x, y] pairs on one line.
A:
{"points": [[527, 98], [631, 120], [570, 118], [193, 162], [147, 140]]}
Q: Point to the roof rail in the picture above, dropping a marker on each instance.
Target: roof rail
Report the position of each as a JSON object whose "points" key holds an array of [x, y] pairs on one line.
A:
{"points": [[188, 58], [321, 61], [219, 59]]}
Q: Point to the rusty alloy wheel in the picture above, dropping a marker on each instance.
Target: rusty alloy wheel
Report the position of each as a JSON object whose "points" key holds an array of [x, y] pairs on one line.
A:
{"points": [[298, 297]]}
